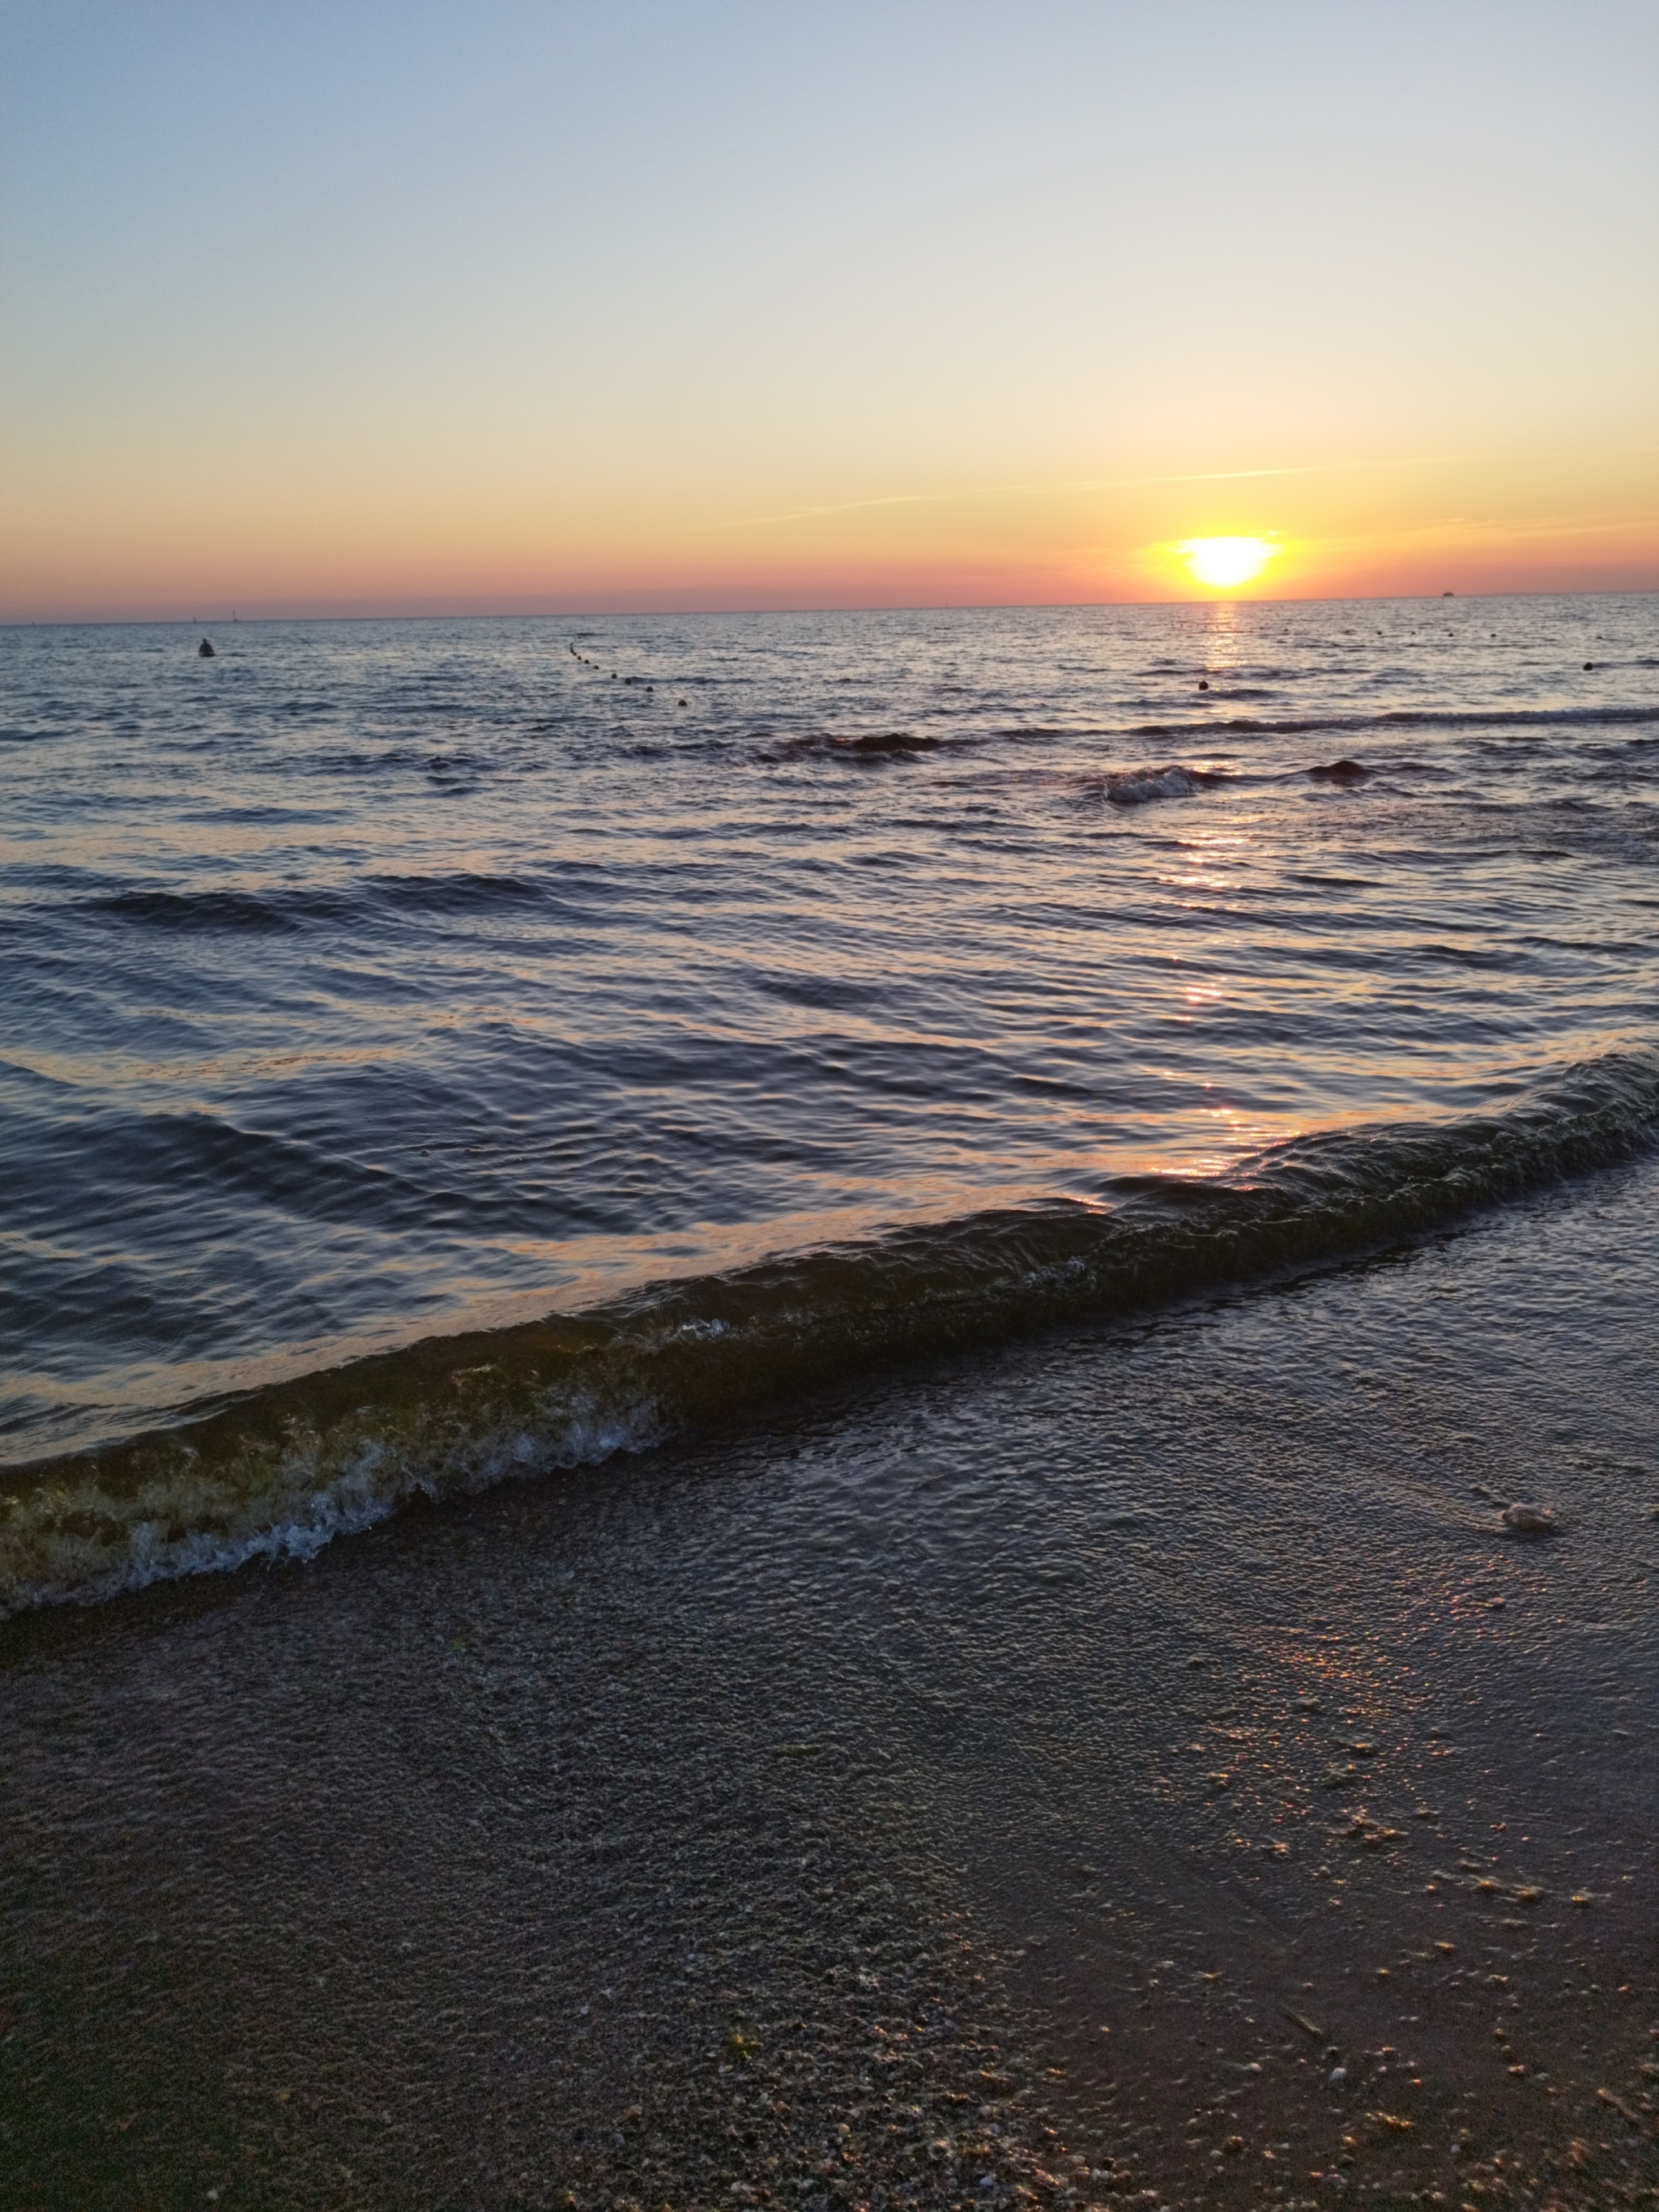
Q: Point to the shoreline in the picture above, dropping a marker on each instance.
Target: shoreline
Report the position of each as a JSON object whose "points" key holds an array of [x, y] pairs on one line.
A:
{"points": [[281, 1472], [772, 1819]]}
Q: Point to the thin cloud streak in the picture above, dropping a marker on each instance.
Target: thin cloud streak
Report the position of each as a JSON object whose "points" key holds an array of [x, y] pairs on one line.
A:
{"points": [[1080, 483], [1141, 483]]}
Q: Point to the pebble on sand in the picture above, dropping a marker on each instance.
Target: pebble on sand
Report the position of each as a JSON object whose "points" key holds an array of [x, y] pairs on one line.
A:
{"points": [[1529, 1519]]}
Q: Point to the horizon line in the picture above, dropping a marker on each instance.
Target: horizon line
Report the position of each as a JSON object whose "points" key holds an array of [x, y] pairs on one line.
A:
{"points": [[334, 610]]}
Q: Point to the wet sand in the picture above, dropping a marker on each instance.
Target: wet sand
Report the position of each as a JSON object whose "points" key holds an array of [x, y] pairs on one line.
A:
{"points": [[1136, 1768]]}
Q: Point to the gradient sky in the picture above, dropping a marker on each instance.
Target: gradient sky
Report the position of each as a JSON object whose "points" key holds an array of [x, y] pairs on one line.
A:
{"points": [[685, 303]]}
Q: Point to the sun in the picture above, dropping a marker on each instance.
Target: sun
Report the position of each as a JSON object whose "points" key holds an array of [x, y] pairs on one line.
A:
{"points": [[1223, 563]]}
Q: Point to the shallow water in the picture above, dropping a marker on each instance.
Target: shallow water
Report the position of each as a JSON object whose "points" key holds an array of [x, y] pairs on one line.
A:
{"points": [[371, 981], [1177, 1679]]}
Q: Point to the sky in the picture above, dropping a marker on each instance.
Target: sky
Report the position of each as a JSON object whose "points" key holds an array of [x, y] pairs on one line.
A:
{"points": [[365, 307]]}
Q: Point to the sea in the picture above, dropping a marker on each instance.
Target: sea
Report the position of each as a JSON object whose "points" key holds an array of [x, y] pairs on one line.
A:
{"points": [[437, 1053]]}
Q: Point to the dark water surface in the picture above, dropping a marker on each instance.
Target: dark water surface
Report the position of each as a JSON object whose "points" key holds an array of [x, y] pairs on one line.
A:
{"points": [[371, 982]]}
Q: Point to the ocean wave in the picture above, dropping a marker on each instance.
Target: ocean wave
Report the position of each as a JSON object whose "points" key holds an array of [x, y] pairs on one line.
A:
{"points": [[1140, 787], [1405, 717], [874, 746], [242, 910], [281, 1472], [287, 908]]}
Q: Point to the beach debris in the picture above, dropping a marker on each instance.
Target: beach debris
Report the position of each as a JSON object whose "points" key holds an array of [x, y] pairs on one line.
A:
{"points": [[1529, 1519], [1362, 1829], [1301, 2019], [1606, 2097]]}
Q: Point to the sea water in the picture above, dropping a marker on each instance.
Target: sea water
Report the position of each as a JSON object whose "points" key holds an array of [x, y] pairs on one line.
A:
{"points": [[440, 1050]]}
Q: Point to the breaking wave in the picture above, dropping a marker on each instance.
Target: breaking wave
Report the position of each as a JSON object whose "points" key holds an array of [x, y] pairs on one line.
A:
{"points": [[281, 1472], [1141, 787]]}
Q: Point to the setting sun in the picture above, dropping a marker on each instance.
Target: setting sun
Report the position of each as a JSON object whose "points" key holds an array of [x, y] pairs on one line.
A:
{"points": [[1224, 562]]}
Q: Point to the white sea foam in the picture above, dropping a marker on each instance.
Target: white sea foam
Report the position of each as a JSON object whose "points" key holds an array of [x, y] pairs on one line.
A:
{"points": [[89, 1540]]}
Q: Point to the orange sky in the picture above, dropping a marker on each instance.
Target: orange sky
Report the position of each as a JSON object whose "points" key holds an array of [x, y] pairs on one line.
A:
{"points": [[590, 309]]}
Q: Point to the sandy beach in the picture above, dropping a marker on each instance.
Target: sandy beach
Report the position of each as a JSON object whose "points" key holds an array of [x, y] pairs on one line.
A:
{"points": [[1139, 1769]]}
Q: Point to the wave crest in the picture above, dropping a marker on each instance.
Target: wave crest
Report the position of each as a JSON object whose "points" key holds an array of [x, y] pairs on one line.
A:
{"points": [[1405, 717], [280, 1473]]}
